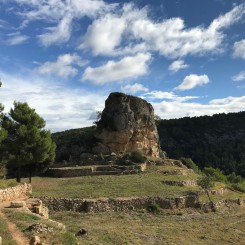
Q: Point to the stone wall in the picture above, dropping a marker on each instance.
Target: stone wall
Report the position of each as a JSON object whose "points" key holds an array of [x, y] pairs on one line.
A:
{"points": [[118, 204], [15, 192]]}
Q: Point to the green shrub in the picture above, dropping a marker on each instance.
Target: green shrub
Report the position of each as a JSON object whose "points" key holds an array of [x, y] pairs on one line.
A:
{"points": [[154, 208], [137, 157], [215, 173], [189, 163], [238, 187], [233, 178]]}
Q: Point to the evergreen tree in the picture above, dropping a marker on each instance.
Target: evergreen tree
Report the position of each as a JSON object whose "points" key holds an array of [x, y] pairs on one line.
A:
{"points": [[3, 135], [28, 144]]}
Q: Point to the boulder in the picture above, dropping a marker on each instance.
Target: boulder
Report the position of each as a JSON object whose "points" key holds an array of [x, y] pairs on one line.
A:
{"points": [[127, 124]]}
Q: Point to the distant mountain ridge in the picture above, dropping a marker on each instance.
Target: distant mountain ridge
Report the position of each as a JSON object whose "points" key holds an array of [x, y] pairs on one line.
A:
{"points": [[217, 141]]}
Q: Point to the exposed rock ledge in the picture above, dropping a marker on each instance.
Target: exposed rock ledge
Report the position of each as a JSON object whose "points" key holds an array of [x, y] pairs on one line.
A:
{"points": [[127, 124]]}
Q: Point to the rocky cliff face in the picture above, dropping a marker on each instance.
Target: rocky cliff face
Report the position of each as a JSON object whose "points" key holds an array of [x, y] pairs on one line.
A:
{"points": [[127, 124]]}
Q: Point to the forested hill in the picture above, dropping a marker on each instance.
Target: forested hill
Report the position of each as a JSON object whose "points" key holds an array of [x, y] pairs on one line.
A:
{"points": [[217, 141]]}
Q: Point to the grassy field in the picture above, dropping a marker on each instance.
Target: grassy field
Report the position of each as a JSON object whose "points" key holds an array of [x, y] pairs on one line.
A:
{"points": [[179, 227], [148, 183], [23, 220], [5, 234]]}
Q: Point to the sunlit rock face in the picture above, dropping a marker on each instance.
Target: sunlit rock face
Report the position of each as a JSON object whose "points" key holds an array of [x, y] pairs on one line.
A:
{"points": [[127, 124]]}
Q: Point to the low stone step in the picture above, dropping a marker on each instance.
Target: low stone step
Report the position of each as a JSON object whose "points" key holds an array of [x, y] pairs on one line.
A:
{"points": [[180, 183], [178, 171], [106, 173]]}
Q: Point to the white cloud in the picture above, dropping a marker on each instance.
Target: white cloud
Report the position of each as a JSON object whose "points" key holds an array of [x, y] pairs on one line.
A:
{"points": [[135, 88], [177, 65], [127, 68], [239, 77], [63, 66], [57, 34], [104, 35], [170, 37], [61, 107], [239, 49], [60, 15], [16, 38], [193, 81], [159, 95], [177, 109]]}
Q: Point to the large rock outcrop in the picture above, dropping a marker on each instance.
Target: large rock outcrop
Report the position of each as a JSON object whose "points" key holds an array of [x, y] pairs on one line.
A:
{"points": [[127, 124]]}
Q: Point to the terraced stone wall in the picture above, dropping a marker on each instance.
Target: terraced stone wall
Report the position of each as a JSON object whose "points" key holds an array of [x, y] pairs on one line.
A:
{"points": [[118, 204], [13, 193]]}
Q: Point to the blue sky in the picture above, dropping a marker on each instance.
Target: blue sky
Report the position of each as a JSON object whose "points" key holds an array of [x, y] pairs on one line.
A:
{"points": [[64, 57]]}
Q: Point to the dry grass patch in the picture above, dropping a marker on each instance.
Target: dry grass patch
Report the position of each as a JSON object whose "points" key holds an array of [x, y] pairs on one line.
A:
{"points": [[148, 183]]}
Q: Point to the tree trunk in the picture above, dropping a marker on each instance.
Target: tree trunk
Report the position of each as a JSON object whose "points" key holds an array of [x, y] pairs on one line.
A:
{"points": [[210, 201], [30, 174], [18, 178]]}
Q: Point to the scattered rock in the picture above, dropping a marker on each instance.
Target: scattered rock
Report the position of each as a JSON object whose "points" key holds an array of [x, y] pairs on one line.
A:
{"points": [[82, 232], [18, 204], [35, 240], [39, 228]]}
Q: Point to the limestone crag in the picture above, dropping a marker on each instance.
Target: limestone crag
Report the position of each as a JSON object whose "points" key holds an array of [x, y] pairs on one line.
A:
{"points": [[127, 124]]}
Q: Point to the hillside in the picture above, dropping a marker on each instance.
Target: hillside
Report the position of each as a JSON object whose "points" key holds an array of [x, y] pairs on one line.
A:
{"points": [[217, 141]]}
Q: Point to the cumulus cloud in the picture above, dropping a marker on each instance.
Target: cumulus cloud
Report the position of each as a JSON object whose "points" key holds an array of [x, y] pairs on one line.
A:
{"points": [[104, 35], [170, 37], [64, 66], [193, 81], [134, 88], [127, 68], [239, 49], [60, 15], [239, 77], [177, 65], [177, 109], [159, 95], [61, 107], [16, 38]]}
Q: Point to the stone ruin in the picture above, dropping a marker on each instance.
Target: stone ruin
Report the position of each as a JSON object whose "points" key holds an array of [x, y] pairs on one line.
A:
{"points": [[127, 124]]}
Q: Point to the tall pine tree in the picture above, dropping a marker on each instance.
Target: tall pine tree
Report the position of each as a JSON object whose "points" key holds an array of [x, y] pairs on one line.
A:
{"points": [[28, 144], [3, 135]]}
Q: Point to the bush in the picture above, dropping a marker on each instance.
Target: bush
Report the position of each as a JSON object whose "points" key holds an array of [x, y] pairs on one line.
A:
{"points": [[137, 157], [189, 163], [154, 208], [233, 178], [215, 173], [238, 187]]}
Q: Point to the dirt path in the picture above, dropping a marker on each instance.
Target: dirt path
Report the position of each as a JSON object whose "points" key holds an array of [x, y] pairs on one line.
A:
{"points": [[17, 235]]}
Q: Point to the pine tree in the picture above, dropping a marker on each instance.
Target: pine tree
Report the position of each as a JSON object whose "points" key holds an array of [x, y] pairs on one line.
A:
{"points": [[3, 135], [28, 144]]}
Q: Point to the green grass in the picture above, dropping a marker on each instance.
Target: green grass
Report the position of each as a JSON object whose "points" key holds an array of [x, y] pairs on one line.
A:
{"points": [[24, 220], [7, 183], [187, 227], [148, 183], [5, 234]]}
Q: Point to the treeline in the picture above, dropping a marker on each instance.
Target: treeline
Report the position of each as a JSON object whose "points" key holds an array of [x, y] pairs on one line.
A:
{"points": [[72, 143], [216, 141]]}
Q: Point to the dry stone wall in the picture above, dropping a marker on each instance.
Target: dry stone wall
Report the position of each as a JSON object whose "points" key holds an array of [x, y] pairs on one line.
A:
{"points": [[15, 192], [118, 204]]}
